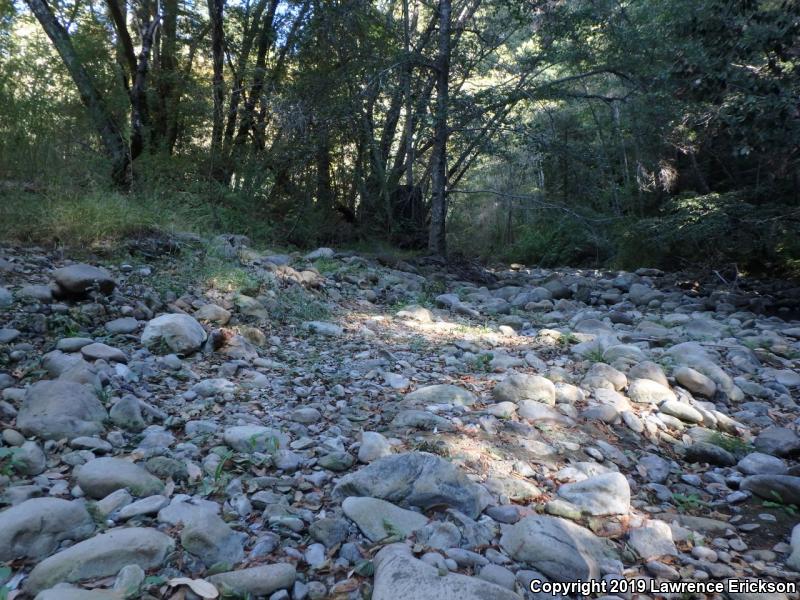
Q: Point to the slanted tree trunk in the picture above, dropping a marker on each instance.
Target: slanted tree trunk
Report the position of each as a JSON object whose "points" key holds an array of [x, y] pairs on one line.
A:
{"points": [[437, 241], [107, 128], [166, 102]]}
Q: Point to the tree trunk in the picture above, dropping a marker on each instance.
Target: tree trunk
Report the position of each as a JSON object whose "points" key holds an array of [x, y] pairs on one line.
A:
{"points": [[166, 103], [437, 241], [140, 116], [108, 129], [215, 9]]}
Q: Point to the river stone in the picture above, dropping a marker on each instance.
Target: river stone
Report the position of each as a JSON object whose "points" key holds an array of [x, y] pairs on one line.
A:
{"points": [[656, 468], [254, 438], [695, 382], [373, 446], [101, 476], [213, 541], [441, 394], [704, 452], [64, 591], [681, 410], [757, 463], [561, 549], [517, 387], [653, 540], [34, 528], [416, 479], [793, 562], [101, 556], [99, 351], [60, 409], [605, 494], [778, 441], [262, 580], [122, 325], [76, 280], [399, 575], [784, 488], [180, 333], [647, 391], [324, 328], [378, 519]]}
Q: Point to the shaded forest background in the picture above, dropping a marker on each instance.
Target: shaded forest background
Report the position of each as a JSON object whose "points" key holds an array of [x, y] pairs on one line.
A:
{"points": [[552, 132]]}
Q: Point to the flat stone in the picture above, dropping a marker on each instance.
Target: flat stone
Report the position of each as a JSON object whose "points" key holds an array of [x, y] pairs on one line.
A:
{"points": [[122, 326], [101, 556], [262, 580], [78, 279], [399, 575], [34, 528], [98, 351], [605, 494], [378, 519], [146, 506], [560, 549], [440, 394], [416, 479], [101, 476], [324, 328], [69, 592], [60, 409]]}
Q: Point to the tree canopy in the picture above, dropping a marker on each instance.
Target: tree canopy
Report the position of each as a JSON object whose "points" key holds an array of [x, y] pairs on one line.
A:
{"points": [[582, 131]]}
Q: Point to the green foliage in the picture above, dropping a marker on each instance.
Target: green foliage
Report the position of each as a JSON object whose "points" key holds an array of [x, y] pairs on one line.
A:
{"points": [[713, 230], [734, 445], [687, 502]]}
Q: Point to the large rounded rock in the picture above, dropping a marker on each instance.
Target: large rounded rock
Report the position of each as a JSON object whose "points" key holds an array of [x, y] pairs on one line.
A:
{"points": [[77, 280], [757, 463], [560, 549], [64, 591], [695, 381], [778, 441], [780, 488], [518, 387], [181, 333], [101, 556], [415, 479], [60, 409], [34, 528], [399, 575], [605, 494], [101, 476]]}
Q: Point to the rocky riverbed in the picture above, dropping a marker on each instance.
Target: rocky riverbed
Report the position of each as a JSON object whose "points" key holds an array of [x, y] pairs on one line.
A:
{"points": [[331, 425]]}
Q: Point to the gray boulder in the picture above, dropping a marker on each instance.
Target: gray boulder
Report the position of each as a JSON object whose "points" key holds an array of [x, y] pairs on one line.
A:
{"points": [[781, 488], [517, 387], [77, 280], [378, 519], [605, 494], [561, 549], [440, 394], [399, 575], [34, 528], [101, 556], [415, 479], [101, 476], [60, 409], [181, 333]]}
